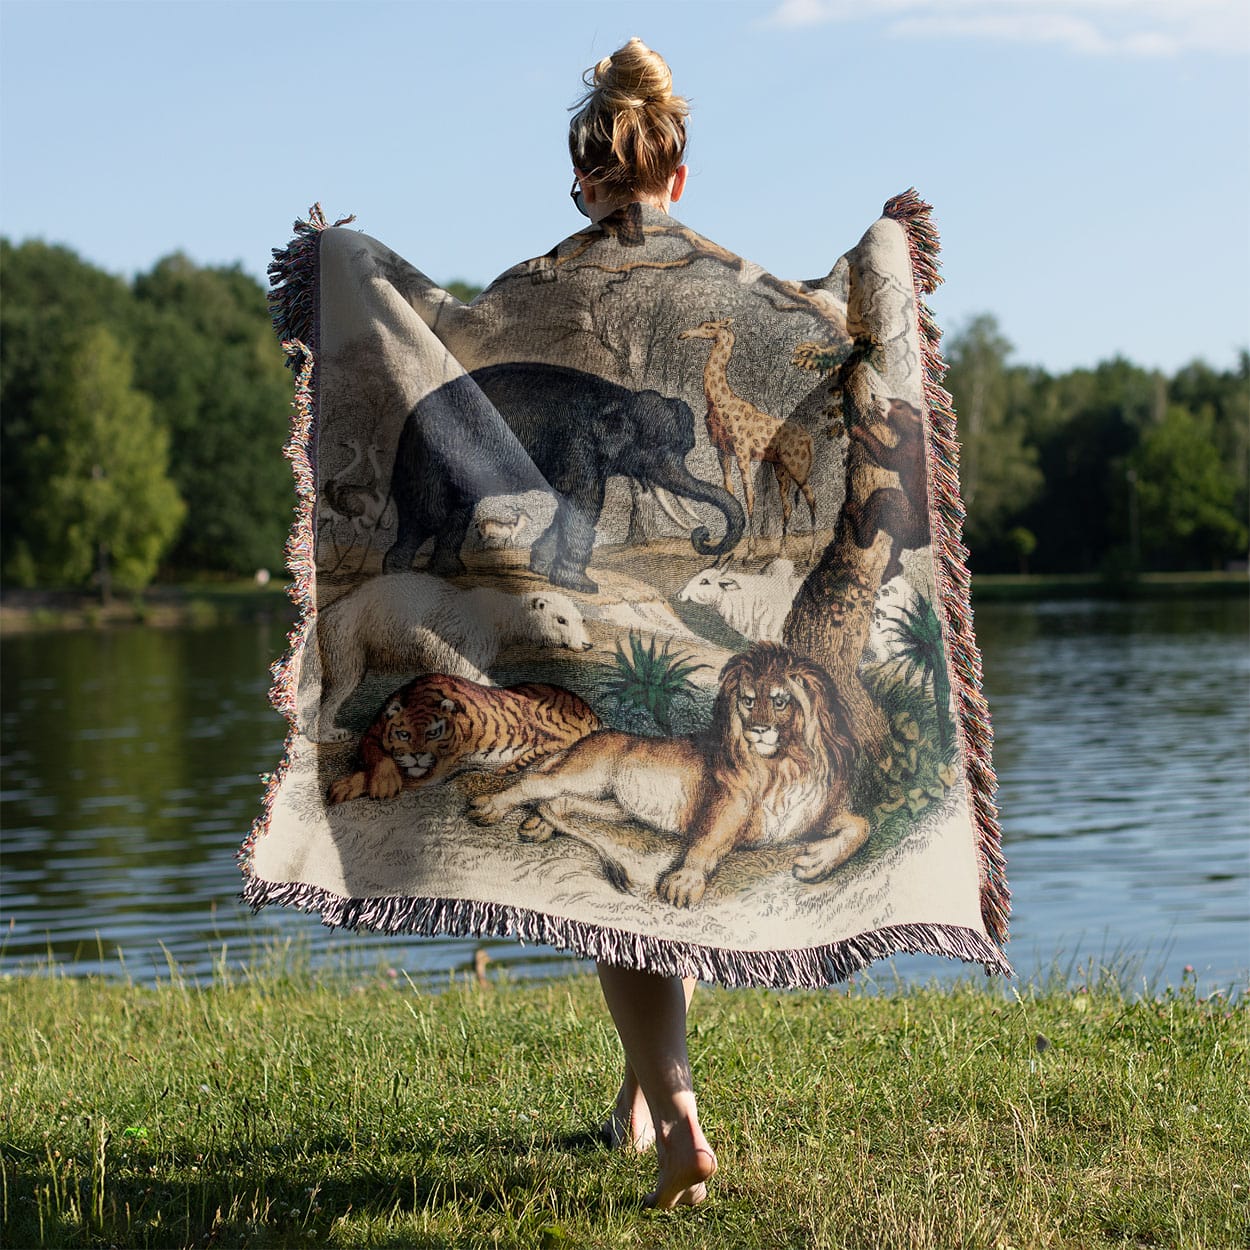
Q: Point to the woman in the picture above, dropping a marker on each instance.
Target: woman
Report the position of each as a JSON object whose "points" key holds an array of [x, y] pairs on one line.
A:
{"points": [[573, 368], [627, 141]]}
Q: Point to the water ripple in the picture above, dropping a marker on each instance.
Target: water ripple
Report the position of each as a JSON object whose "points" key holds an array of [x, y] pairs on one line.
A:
{"points": [[1121, 734]]}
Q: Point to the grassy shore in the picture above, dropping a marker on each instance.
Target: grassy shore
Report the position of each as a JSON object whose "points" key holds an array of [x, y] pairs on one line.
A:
{"points": [[1028, 587], [288, 1110], [191, 603], [212, 603]]}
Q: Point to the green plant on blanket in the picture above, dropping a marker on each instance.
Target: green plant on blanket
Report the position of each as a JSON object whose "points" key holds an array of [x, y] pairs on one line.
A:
{"points": [[650, 679], [914, 774], [918, 769], [917, 649]]}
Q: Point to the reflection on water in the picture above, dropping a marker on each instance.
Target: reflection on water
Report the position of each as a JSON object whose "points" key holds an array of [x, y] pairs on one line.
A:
{"points": [[131, 762], [1121, 747]]}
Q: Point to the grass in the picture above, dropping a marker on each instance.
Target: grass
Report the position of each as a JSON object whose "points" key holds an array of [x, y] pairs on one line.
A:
{"points": [[1010, 587], [287, 1110]]}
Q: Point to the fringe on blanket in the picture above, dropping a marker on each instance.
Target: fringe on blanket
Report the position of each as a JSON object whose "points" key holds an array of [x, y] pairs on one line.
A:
{"points": [[301, 547], [294, 310], [293, 302], [951, 558], [809, 968]]}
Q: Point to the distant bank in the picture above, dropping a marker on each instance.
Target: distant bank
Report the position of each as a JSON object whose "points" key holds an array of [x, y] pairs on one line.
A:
{"points": [[1003, 587], [166, 606], [211, 603]]}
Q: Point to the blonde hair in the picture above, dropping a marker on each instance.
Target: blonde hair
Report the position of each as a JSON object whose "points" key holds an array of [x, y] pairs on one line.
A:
{"points": [[629, 133]]}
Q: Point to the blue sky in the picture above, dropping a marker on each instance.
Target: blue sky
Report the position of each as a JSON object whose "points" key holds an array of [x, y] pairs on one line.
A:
{"points": [[1088, 160]]}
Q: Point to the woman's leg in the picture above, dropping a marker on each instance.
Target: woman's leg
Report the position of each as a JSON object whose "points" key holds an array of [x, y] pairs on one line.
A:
{"points": [[629, 1125], [650, 1015]]}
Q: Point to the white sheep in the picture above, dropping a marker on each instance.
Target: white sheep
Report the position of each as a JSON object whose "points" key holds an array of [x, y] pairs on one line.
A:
{"points": [[755, 604], [414, 623]]}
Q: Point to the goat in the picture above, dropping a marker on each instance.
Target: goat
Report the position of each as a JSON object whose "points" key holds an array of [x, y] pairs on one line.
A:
{"points": [[755, 604]]}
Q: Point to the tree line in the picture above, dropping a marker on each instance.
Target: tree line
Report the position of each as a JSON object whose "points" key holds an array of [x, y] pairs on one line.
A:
{"points": [[1113, 470], [143, 423]]}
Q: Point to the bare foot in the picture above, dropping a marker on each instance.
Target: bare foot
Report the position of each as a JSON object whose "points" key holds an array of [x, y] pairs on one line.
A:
{"points": [[686, 1165], [629, 1126]]}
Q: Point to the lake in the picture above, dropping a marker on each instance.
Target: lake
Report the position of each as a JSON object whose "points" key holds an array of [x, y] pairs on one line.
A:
{"points": [[131, 760]]}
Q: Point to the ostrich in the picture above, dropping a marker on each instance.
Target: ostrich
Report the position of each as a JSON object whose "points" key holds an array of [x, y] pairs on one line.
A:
{"points": [[364, 506], [327, 517]]}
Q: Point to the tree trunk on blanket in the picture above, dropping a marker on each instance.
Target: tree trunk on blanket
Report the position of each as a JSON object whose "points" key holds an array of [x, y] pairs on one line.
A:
{"points": [[637, 536], [832, 614]]}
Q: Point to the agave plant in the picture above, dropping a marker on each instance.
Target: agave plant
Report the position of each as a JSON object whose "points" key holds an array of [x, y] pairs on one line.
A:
{"points": [[650, 679], [918, 649]]}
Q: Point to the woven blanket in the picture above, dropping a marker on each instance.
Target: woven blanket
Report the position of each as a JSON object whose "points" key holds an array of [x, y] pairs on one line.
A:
{"points": [[635, 618]]}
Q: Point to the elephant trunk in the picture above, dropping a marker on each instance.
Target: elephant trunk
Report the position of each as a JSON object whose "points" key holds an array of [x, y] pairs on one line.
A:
{"points": [[672, 475]]}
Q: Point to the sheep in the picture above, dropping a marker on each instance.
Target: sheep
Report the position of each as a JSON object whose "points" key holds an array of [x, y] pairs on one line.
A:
{"points": [[755, 604], [414, 623]]}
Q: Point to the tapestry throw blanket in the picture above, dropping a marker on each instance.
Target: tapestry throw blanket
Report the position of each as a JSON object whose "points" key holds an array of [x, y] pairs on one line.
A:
{"points": [[635, 618]]}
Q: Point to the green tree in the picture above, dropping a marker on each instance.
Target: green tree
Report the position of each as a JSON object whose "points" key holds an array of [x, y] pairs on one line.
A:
{"points": [[1186, 495], [1221, 398], [998, 468], [51, 298], [103, 504], [466, 292], [1086, 424], [1024, 543], [208, 358]]}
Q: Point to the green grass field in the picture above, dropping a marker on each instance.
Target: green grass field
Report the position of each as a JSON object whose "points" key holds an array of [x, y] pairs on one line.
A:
{"points": [[354, 1110]]}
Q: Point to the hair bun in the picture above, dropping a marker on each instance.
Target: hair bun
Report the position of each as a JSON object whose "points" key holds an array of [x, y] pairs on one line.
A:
{"points": [[629, 129], [634, 76]]}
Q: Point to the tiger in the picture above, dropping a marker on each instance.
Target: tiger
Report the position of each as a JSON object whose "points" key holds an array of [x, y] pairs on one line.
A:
{"points": [[439, 725]]}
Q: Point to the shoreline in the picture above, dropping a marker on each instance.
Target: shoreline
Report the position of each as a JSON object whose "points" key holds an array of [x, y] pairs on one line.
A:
{"points": [[172, 606], [293, 969], [203, 604]]}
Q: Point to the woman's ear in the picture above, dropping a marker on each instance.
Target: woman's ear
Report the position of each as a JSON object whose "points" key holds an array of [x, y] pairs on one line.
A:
{"points": [[678, 184], [588, 186]]}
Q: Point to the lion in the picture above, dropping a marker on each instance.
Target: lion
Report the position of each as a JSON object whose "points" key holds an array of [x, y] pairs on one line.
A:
{"points": [[773, 767], [440, 725]]}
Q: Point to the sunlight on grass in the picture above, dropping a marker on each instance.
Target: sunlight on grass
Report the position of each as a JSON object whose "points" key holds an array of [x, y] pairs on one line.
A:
{"points": [[277, 1107]]}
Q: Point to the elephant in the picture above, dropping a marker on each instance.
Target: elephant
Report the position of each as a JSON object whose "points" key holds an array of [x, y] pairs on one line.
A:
{"points": [[562, 430]]}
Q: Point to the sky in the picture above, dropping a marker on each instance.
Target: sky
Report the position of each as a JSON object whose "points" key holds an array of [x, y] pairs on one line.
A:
{"points": [[1088, 160]]}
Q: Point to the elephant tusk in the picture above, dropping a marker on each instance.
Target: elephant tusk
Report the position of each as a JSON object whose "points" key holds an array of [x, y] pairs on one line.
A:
{"points": [[673, 505], [669, 507]]}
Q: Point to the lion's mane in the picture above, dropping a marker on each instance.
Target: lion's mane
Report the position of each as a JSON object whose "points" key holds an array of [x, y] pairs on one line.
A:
{"points": [[815, 745]]}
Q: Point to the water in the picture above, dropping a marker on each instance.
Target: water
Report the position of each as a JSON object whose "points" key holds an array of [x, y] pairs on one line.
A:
{"points": [[131, 760], [1122, 744]]}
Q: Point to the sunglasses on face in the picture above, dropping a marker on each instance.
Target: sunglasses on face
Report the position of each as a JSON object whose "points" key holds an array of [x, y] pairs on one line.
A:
{"points": [[576, 196]]}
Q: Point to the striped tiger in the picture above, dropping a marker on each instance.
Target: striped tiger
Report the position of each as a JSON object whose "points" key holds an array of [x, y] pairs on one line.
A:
{"points": [[439, 725]]}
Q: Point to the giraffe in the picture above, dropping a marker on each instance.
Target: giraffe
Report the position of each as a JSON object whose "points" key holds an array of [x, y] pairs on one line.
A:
{"points": [[741, 432]]}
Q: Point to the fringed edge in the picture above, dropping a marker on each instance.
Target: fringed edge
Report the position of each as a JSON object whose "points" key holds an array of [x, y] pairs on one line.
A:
{"points": [[293, 303], [294, 307], [947, 513], [300, 548], [808, 968]]}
